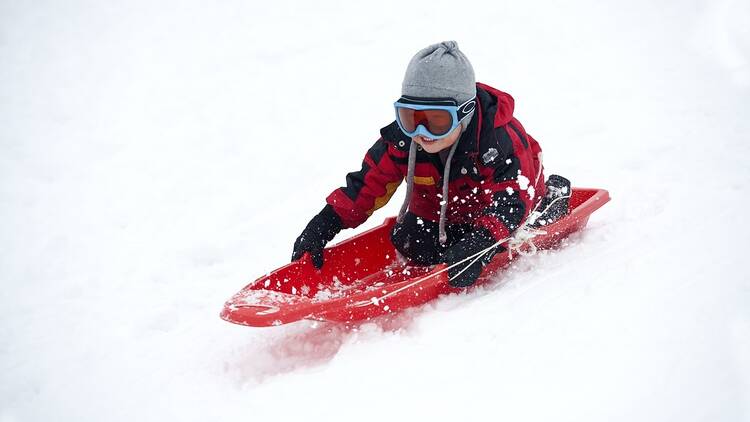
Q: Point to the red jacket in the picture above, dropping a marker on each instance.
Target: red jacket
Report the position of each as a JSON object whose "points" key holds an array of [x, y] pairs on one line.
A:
{"points": [[496, 173]]}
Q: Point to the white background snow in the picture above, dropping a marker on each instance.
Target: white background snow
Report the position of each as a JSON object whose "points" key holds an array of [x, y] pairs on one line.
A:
{"points": [[155, 157]]}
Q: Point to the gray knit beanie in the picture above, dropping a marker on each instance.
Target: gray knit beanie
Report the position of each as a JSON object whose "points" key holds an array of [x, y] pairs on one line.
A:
{"points": [[440, 70]]}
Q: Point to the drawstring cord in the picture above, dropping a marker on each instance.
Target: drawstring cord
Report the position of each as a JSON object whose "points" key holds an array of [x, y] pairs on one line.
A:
{"points": [[409, 180], [442, 237], [444, 203]]}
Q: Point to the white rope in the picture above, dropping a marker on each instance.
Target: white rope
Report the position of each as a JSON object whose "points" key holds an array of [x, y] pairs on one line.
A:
{"points": [[475, 257], [524, 235]]}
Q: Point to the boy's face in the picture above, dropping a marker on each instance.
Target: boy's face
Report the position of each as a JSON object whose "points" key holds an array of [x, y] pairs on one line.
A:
{"points": [[440, 144]]}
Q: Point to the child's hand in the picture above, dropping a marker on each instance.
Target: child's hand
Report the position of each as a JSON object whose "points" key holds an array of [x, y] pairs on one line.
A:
{"points": [[319, 231], [307, 243], [474, 242]]}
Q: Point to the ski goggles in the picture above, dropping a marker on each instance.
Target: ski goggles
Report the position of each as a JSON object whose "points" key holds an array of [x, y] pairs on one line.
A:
{"points": [[431, 117]]}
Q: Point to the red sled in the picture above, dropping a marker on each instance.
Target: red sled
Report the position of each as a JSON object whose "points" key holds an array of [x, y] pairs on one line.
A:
{"points": [[363, 276]]}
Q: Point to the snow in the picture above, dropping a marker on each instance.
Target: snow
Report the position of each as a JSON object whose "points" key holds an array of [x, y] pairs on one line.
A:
{"points": [[523, 181], [157, 156]]}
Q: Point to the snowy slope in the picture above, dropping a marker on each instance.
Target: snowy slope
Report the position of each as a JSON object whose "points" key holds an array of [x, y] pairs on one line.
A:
{"points": [[157, 156]]}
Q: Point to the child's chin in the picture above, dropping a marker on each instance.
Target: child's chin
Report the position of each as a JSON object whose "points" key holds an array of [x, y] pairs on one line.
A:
{"points": [[433, 147]]}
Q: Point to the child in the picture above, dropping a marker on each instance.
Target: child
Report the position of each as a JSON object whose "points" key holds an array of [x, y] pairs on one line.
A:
{"points": [[472, 172]]}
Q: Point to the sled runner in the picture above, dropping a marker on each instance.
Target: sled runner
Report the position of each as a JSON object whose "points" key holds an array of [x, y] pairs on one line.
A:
{"points": [[364, 278]]}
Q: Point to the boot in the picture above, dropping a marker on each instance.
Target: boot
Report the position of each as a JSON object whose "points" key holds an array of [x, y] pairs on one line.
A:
{"points": [[555, 203]]}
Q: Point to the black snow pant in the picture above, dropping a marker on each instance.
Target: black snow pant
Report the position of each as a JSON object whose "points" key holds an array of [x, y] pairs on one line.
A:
{"points": [[417, 239]]}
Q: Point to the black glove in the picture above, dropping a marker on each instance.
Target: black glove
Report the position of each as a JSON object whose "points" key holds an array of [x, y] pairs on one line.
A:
{"points": [[478, 240], [319, 231], [554, 205]]}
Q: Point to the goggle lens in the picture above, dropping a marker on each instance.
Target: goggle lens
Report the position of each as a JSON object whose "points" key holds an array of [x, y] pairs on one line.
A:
{"points": [[438, 122]]}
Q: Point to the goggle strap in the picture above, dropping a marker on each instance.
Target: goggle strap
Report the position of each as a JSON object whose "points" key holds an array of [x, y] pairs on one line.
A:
{"points": [[466, 108], [405, 99], [462, 110]]}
